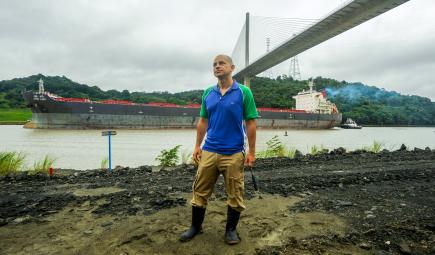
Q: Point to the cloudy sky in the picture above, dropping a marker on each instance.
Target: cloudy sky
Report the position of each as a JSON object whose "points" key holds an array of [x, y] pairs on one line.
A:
{"points": [[168, 45]]}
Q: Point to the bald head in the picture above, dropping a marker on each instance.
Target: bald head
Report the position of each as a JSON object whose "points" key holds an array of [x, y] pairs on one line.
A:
{"points": [[223, 67], [226, 57]]}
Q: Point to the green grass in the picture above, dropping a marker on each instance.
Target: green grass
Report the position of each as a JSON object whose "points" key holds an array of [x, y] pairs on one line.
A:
{"points": [[11, 162], [43, 165], [314, 150], [104, 163], [375, 148], [291, 152], [13, 115]]}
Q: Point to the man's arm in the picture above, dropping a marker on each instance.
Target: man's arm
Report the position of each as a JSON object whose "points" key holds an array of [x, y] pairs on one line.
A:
{"points": [[251, 130], [201, 129]]}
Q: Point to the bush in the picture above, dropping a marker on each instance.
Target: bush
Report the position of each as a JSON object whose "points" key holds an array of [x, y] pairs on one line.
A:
{"points": [[42, 166], [169, 157], [11, 162], [275, 148]]}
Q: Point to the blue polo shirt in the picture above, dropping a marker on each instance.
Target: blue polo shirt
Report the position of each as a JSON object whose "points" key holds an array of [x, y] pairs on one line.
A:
{"points": [[225, 114]]}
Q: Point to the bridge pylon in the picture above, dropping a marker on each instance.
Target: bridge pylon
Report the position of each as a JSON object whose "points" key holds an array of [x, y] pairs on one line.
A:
{"points": [[246, 79], [344, 18]]}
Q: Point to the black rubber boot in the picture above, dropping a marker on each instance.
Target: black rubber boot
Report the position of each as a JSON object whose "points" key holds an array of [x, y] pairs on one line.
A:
{"points": [[196, 227], [231, 235]]}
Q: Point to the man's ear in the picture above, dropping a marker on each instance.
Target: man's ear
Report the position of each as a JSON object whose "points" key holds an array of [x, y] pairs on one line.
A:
{"points": [[233, 67]]}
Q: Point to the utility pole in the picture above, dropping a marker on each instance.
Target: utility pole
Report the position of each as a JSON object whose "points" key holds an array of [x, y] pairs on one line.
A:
{"points": [[294, 71]]}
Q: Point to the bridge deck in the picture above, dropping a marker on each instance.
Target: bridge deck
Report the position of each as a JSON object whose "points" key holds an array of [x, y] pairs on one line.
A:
{"points": [[349, 16]]}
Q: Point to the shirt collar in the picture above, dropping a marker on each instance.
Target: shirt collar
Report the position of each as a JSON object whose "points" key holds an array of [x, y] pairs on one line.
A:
{"points": [[234, 86]]}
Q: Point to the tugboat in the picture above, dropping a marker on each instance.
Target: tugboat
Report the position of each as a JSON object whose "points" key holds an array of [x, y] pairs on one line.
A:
{"points": [[350, 124]]}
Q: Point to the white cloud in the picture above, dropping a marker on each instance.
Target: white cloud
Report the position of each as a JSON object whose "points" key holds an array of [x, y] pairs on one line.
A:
{"points": [[169, 45]]}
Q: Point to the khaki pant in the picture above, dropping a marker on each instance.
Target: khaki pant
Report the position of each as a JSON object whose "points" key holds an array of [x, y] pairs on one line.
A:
{"points": [[209, 168]]}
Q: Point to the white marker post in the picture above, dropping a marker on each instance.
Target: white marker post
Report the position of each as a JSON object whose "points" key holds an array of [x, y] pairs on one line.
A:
{"points": [[109, 133]]}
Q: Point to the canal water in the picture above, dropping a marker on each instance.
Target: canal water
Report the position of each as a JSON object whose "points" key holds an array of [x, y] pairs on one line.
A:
{"points": [[85, 149]]}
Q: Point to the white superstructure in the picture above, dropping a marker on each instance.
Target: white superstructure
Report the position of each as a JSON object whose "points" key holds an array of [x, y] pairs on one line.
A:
{"points": [[41, 85], [313, 101]]}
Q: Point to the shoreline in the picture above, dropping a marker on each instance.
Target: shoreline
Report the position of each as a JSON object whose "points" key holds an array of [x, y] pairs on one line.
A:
{"points": [[336, 203], [22, 123], [17, 123]]}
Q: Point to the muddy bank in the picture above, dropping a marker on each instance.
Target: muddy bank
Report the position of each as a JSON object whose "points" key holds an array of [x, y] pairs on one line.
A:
{"points": [[335, 203]]}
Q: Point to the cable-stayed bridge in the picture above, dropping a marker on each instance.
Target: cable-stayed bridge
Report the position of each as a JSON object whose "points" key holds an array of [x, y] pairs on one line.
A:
{"points": [[293, 36]]}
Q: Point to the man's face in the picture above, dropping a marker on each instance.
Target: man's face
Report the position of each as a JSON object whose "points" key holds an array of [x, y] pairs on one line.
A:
{"points": [[222, 67]]}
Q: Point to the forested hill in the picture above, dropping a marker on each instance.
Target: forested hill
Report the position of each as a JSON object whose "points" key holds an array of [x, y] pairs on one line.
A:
{"points": [[365, 104], [10, 92]]}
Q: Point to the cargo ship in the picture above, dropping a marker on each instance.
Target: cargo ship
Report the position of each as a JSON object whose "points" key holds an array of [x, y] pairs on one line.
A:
{"points": [[49, 111]]}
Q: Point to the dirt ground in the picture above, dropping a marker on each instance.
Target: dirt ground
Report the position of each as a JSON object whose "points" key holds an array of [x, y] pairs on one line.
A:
{"points": [[334, 203]]}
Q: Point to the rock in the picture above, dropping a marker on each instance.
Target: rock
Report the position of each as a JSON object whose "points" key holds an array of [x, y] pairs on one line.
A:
{"points": [[298, 154], [380, 252], [3, 222], [404, 248], [418, 149], [169, 188], [88, 232], [365, 246], [338, 151], [370, 216], [402, 147], [22, 219], [146, 169], [359, 151], [106, 224], [344, 203], [370, 231], [21, 175], [427, 149]]}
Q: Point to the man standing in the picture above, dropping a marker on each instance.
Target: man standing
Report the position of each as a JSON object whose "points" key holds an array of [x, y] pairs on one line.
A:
{"points": [[223, 109]]}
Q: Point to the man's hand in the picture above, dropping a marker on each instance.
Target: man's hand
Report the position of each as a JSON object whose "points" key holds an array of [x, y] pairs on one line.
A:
{"points": [[196, 156], [250, 159], [251, 131]]}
